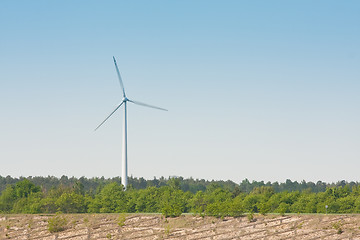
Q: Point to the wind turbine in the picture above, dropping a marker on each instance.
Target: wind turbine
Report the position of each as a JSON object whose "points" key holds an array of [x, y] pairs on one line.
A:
{"points": [[124, 101]]}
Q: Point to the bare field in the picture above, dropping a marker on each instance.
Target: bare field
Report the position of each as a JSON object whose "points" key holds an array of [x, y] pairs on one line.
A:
{"points": [[154, 226]]}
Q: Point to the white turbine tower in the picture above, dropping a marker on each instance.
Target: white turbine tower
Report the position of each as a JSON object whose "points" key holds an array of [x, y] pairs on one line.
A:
{"points": [[124, 101]]}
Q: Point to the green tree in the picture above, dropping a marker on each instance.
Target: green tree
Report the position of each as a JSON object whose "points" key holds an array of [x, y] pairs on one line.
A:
{"points": [[198, 203], [283, 208], [111, 199], [264, 193], [219, 209], [218, 201], [174, 183], [148, 200], [306, 203], [357, 205], [18, 198], [30, 204], [79, 188], [251, 202], [172, 202], [24, 188], [236, 208], [7, 199], [71, 203], [48, 202], [346, 204]]}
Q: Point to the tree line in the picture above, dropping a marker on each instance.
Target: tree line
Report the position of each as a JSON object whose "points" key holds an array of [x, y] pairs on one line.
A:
{"points": [[190, 184], [24, 196]]}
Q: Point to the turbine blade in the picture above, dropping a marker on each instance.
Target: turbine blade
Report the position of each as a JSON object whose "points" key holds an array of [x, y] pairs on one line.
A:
{"points": [[109, 115], [146, 105], [119, 76]]}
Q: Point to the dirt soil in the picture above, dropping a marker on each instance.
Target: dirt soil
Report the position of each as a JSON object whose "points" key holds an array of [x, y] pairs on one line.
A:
{"points": [[154, 226]]}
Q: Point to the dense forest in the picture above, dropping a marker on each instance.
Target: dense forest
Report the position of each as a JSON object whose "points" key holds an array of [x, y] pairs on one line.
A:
{"points": [[193, 185], [174, 196]]}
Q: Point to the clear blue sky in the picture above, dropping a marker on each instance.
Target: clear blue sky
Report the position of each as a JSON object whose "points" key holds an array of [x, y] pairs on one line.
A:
{"points": [[264, 90]]}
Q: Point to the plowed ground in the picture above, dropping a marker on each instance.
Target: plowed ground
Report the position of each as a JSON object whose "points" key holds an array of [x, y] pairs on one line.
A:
{"points": [[154, 226]]}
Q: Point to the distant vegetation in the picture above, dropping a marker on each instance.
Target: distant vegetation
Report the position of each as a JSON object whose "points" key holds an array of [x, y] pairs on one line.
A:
{"points": [[91, 185], [174, 196]]}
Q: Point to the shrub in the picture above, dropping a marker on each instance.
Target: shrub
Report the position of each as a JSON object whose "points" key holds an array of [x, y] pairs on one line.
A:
{"points": [[338, 227], [167, 230], [57, 223], [121, 219], [250, 217]]}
